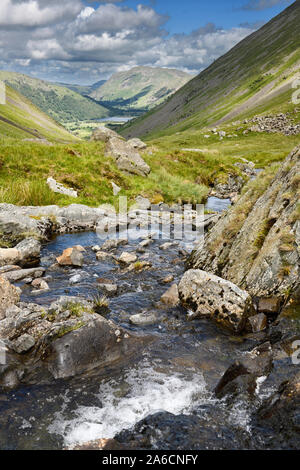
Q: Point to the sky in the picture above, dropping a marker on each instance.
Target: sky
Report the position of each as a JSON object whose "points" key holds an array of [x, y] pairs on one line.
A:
{"points": [[81, 41]]}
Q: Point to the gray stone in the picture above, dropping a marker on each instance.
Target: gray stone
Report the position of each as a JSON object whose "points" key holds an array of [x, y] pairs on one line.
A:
{"points": [[208, 295], [171, 297], [127, 158], [103, 134], [15, 276], [22, 344], [9, 296], [143, 319], [60, 188], [137, 144], [128, 258]]}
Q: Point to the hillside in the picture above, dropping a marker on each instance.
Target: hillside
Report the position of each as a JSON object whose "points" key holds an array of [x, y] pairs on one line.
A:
{"points": [[140, 88], [20, 119], [254, 76], [84, 90], [59, 102]]}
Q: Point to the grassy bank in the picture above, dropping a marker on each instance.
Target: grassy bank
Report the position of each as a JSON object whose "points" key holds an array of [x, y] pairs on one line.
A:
{"points": [[176, 175]]}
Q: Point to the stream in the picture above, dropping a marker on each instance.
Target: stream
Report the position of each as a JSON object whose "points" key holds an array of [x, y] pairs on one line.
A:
{"points": [[175, 373]]}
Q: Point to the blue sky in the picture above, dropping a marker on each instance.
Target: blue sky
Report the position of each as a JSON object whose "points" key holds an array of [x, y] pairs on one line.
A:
{"points": [[187, 15], [83, 41]]}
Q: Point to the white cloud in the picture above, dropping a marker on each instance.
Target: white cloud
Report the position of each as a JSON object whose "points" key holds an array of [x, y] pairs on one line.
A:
{"points": [[88, 42]]}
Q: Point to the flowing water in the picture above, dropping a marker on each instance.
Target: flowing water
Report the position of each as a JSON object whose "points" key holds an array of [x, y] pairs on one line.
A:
{"points": [[175, 373]]}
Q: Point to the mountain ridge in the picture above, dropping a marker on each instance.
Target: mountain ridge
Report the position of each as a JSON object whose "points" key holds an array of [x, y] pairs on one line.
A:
{"points": [[271, 54], [140, 88]]}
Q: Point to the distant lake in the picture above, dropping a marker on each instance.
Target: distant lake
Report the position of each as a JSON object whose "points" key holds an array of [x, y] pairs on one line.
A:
{"points": [[116, 119]]}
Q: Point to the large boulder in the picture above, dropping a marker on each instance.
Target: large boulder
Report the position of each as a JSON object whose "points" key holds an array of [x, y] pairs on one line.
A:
{"points": [[242, 377], [64, 340], [103, 134], [208, 295], [279, 415], [127, 158], [9, 295], [256, 244]]}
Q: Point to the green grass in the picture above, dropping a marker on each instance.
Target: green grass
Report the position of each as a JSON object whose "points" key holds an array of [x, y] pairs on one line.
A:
{"points": [[176, 175]]}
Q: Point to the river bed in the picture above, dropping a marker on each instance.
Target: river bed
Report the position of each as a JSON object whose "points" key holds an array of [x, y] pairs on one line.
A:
{"points": [[175, 373]]}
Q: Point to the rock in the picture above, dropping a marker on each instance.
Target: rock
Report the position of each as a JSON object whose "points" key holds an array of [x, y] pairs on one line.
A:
{"points": [[9, 256], [108, 287], [242, 376], [30, 251], [227, 189], [128, 258], [139, 266], [270, 305], [62, 341], [9, 296], [127, 158], [142, 203], [279, 415], [9, 268], [26, 252], [167, 245], [99, 444], [15, 276], [113, 244], [96, 248], [103, 134], [171, 297], [116, 188], [60, 188], [257, 323], [40, 285], [143, 319], [137, 144], [168, 279], [255, 244], [176, 432], [145, 243], [103, 256], [209, 295], [71, 257], [75, 279], [22, 344], [222, 134]]}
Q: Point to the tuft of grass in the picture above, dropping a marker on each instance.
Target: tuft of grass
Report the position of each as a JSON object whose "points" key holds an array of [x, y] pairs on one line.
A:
{"points": [[263, 233], [100, 304], [68, 329]]}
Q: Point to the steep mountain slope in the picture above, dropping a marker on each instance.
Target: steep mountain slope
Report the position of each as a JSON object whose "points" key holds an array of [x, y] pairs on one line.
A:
{"points": [[20, 119], [58, 102], [140, 88], [255, 72]]}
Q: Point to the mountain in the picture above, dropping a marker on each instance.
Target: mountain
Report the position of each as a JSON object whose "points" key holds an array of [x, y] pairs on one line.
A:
{"points": [[253, 76], [61, 103], [20, 119], [140, 88], [84, 90]]}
